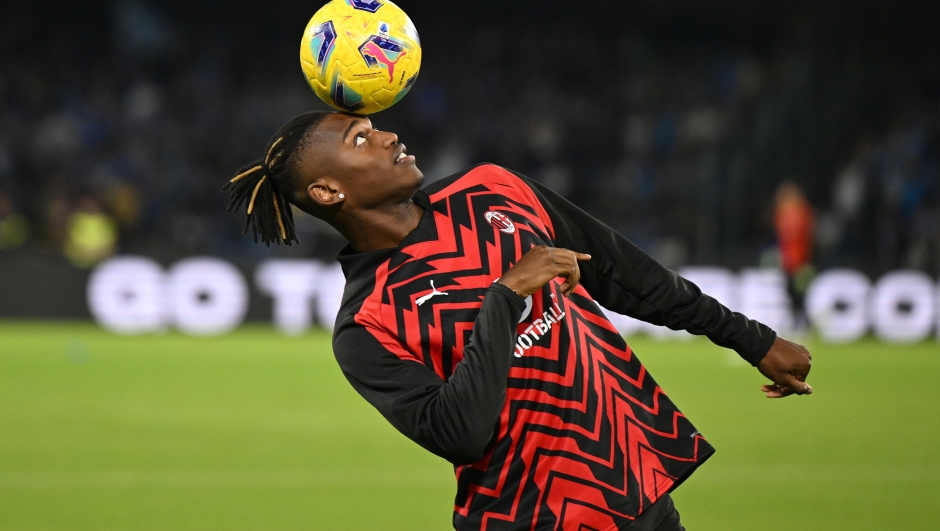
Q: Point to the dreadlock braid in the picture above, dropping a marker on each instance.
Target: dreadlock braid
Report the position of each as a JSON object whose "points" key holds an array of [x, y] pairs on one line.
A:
{"points": [[262, 183]]}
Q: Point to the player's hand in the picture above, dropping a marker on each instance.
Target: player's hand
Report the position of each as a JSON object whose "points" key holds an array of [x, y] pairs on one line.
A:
{"points": [[540, 265], [787, 365]]}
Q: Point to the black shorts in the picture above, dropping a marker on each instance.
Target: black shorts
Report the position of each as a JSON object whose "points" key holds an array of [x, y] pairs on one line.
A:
{"points": [[661, 516]]}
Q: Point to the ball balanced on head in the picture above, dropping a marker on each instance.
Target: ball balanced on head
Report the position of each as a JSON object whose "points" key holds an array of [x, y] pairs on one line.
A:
{"points": [[360, 56]]}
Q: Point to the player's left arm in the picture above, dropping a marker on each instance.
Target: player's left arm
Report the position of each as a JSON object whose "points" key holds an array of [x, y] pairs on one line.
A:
{"points": [[624, 279]]}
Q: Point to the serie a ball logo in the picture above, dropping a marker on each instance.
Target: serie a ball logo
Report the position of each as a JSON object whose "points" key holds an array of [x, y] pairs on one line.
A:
{"points": [[360, 56]]}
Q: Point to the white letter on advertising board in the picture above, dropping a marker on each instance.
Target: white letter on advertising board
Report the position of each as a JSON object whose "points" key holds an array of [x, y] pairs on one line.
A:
{"points": [[126, 295], [208, 295]]}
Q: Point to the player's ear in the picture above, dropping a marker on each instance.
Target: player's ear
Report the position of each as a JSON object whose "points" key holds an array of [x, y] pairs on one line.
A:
{"points": [[324, 192]]}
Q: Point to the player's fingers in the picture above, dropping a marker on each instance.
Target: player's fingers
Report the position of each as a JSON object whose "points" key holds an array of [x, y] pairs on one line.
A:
{"points": [[571, 272], [572, 277], [778, 393], [582, 256], [795, 385], [775, 391]]}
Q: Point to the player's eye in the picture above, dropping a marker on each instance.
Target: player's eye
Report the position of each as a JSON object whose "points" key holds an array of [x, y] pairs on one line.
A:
{"points": [[360, 140]]}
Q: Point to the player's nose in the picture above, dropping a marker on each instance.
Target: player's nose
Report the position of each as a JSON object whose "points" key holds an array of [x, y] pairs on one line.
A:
{"points": [[389, 139]]}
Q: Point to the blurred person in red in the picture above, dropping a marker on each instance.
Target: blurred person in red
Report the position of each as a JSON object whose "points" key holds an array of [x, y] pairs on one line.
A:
{"points": [[795, 224]]}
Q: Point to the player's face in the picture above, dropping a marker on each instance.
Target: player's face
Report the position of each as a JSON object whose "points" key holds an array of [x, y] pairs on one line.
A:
{"points": [[370, 167]]}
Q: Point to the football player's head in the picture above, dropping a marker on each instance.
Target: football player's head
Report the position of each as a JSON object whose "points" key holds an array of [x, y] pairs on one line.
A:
{"points": [[328, 164]]}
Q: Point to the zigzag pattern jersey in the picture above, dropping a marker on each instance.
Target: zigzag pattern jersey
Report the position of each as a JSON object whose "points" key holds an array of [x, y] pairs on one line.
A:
{"points": [[549, 417]]}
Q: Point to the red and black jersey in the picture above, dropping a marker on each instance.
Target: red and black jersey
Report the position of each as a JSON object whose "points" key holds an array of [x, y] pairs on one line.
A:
{"points": [[550, 419]]}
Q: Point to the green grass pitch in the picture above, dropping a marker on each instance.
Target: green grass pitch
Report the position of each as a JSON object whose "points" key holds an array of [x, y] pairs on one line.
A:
{"points": [[257, 431]]}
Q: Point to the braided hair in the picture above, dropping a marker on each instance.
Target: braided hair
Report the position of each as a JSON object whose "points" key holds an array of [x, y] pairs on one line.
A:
{"points": [[262, 183]]}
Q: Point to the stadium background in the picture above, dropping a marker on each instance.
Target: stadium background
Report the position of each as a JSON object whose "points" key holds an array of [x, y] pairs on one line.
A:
{"points": [[673, 122]]}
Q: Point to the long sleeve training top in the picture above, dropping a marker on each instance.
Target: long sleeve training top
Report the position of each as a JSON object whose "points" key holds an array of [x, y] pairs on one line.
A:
{"points": [[550, 419]]}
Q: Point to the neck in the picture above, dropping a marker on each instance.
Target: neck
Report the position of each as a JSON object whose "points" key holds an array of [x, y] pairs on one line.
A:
{"points": [[371, 230]]}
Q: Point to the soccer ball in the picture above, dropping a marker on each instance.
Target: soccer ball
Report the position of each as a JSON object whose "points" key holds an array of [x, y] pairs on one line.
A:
{"points": [[360, 56]]}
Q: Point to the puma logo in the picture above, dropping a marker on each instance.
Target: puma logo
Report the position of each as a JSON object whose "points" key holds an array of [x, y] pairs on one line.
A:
{"points": [[385, 58], [424, 299]]}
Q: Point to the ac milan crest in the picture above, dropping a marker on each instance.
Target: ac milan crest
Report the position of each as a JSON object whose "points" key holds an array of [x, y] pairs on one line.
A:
{"points": [[500, 221]]}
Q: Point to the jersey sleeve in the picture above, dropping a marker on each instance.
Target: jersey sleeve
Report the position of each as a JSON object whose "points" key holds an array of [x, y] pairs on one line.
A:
{"points": [[626, 280], [455, 419]]}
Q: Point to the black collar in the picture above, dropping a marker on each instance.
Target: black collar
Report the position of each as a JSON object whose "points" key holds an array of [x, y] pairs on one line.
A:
{"points": [[356, 265]]}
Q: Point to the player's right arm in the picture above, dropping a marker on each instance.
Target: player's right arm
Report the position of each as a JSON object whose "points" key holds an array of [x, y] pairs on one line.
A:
{"points": [[454, 418]]}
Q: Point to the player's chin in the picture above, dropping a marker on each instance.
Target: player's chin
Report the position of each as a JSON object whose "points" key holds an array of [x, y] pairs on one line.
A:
{"points": [[412, 171]]}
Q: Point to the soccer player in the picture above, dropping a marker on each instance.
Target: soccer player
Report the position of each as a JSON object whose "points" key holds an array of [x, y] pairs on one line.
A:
{"points": [[795, 224], [469, 321]]}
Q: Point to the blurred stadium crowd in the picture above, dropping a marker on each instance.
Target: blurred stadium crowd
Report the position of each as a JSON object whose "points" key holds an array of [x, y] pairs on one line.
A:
{"points": [[117, 137]]}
